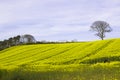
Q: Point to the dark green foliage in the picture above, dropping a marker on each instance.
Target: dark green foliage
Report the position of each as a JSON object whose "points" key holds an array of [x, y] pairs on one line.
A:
{"points": [[13, 41]]}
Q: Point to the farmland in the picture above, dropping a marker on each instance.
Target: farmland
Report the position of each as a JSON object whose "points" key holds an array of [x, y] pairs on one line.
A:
{"points": [[97, 60]]}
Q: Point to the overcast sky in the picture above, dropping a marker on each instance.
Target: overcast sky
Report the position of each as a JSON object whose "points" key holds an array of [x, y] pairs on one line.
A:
{"points": [[57, 19]]}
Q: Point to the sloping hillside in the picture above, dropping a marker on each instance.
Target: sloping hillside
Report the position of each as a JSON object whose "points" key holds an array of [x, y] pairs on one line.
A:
{"points": [[98, 60], [68, 53]]}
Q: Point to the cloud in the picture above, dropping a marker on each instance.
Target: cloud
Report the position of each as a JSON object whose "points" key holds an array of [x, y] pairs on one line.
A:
{"points": [[69, 28], [51, 18]]}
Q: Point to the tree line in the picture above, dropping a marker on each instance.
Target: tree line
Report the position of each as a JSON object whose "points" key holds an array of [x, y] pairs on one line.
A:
{"points": [[12, 41], [17, 40]]}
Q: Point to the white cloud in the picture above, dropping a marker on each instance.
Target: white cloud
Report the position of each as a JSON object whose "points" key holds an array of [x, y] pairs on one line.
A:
{"points": [[55, 17], [69, 29]]}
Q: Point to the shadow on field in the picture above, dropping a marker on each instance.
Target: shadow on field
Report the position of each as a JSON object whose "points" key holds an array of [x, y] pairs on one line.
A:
{"points": [[3, 73], [81, 73], [101, 60], [17, 78]]}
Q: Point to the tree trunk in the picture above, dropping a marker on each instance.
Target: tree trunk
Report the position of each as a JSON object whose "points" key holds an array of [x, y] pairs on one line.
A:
{"points": [[102, 39]]}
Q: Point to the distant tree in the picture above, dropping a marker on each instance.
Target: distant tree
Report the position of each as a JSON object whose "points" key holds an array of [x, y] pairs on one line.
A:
{"points": [[14, 40], [74, 40], [18, 39], [101, 27], [1, 45], [6, 43], [10, 41], [27, 39], [43, 41]]}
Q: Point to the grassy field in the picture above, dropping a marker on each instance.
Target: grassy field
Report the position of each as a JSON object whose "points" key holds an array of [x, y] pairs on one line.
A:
{"points": [[98, 60]]}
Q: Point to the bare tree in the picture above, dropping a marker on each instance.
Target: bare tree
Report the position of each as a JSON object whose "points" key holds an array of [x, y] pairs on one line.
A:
{"points": [[27, 39], [101, 27]]}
